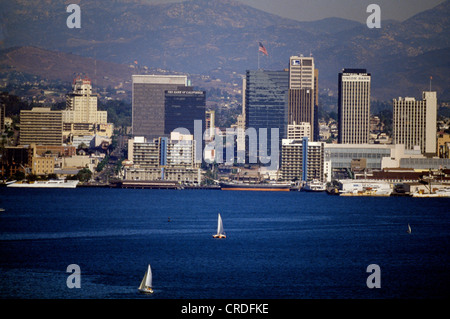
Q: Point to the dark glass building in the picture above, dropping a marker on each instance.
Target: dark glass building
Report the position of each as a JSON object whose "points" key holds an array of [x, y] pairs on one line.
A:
{"points": [[266, 103], [182, 108]]}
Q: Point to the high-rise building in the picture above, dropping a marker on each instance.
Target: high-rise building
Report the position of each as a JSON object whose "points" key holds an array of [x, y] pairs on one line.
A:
{"points": [[182, 108], [81, 117], [266, 103], [354, 106], [81, 105], [40, 125], [148, 102], [414, 122], [303, 92], [302, 160]]}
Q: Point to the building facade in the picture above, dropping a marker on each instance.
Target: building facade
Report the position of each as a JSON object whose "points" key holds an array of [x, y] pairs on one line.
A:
{"points": [[302, 160], [148, 102], [354, 106], [182, 108], [266, 104], [41, 126], [414, 122], [163, 158], [303, 92]]}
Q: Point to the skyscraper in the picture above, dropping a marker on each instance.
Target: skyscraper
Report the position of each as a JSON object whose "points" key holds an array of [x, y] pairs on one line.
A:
{"points": [[303, 95], [414, 122], [148, 102], [266, 103], [354, 106], [182, 108]]}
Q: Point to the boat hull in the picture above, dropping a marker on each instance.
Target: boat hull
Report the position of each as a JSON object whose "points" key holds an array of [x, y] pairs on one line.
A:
{"points": [[219, 236], [255, 187], [146, 290], [46, 184]]}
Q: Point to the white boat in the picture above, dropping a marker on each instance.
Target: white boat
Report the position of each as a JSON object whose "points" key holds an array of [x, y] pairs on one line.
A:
{"points": [[220, 232], [314, 186], [409, 229], [365, 188], [146, 283], [53, 183], [442, 192]]}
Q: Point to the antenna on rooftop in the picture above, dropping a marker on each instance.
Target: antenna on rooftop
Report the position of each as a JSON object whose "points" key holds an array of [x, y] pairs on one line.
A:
{"points": [[431, 78]]}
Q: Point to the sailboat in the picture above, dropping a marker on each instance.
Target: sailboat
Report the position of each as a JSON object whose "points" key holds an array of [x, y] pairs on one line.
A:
{"points": [[146, 283], [220, 232], [409, 229]]}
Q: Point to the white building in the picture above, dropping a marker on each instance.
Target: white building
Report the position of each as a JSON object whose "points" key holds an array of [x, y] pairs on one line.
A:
{"points": [[414, 122]]}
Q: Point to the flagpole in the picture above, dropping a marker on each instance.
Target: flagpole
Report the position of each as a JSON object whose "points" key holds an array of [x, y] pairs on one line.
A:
{"points": [[258, 59]]}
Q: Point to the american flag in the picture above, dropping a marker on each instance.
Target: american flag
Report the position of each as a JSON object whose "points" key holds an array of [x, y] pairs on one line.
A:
{"points": [[262, 49]]}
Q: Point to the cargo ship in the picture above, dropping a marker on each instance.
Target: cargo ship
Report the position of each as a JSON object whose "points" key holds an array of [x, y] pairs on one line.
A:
{"points": [[237, 186]]}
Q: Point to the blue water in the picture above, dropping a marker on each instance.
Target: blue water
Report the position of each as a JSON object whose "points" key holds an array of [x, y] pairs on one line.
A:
{"points": [[279, 244]]}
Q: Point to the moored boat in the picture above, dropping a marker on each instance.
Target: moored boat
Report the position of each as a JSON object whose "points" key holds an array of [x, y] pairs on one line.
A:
{"points": [[238, 186], [314, 186], [53, 183]]}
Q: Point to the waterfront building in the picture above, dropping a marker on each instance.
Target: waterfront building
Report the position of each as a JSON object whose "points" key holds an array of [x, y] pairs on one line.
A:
{"points": [[303, 93], [302, 160], [414, 122], [354, 106], [340, 156], [41, 125], [266, 105], [43, 165], [163, 158], [148, 102]]}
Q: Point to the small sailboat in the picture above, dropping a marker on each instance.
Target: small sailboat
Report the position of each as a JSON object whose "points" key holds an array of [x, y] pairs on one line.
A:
{"points": [[409, 229], [146, 283], [220, 232]]}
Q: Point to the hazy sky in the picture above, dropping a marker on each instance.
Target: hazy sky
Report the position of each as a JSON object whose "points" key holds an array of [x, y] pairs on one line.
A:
{"points": [[308, 10]]}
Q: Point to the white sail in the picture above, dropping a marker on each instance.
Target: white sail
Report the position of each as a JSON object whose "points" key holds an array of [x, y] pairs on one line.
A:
{"points": [[409, 229], [147, 280], [219, 226]]}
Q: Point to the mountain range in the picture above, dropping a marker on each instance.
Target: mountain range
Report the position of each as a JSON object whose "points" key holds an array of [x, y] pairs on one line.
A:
{"points": [[219, 37]]}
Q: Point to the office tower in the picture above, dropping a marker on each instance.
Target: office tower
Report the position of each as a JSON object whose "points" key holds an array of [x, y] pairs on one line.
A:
{"points": [[182, 108], [148, 102], [266, 103], [302, 160], [354, 106], [40, 125], [414, 122], [303, 92]]}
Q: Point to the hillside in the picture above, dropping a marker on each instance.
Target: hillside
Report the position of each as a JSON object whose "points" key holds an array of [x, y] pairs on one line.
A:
{"points": [[219, 37]]}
